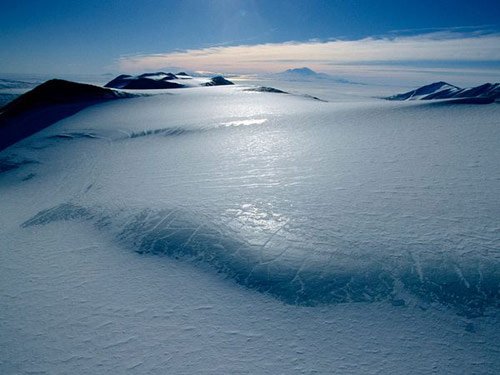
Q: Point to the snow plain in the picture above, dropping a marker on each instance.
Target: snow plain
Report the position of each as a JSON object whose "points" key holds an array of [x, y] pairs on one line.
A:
{"points": [[217, 230]]}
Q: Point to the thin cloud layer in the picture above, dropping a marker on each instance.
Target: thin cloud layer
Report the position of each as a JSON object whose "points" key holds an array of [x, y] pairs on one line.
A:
{"points": [[324, 55]]}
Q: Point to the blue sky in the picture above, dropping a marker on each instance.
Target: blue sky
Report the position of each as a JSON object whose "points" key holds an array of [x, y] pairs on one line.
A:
{"points": [[98, 36]]}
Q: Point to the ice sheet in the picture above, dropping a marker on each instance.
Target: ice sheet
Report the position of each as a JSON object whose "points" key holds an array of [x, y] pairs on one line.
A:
{"points": [[350, 236]]}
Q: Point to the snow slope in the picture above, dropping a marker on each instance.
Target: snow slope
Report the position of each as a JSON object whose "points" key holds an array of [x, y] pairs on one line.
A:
{"points": [[486, 93], [46, 104], [235, 231]]}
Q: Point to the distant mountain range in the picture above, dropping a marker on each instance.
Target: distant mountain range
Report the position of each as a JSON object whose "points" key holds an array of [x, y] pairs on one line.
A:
{"points": [[162, 80], [307, 74], [483, 94], [56, 99]]}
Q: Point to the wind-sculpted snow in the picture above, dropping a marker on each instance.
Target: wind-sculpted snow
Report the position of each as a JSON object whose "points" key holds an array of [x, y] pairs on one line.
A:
{"points": [[10, 163], [297, 277], [75, 135], [252, 223], [165, 132]]}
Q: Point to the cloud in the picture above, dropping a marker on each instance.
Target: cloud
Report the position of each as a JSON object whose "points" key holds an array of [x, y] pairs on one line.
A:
{"points": [[324, 55]]}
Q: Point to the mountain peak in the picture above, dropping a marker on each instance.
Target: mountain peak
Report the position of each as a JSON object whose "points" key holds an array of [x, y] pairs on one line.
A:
{"points": [[483, 94], [162, 80], [304, 71]]}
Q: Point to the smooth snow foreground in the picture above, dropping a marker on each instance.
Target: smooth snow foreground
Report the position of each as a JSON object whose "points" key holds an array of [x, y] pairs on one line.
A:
{"points": [[221, 230]]}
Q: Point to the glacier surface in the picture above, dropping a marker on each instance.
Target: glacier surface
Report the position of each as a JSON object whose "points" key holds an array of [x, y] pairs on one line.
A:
{"points": [[225, 230]]}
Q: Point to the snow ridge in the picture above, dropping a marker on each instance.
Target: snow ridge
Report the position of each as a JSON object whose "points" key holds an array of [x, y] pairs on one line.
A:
{"points": [[183, 235]]}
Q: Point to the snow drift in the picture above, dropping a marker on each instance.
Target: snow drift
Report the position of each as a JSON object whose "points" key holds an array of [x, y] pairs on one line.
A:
{"points": [[180, 234]]}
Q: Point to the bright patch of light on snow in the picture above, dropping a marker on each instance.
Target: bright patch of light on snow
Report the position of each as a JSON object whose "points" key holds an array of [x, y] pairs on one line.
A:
{"points": [[245, 122]]}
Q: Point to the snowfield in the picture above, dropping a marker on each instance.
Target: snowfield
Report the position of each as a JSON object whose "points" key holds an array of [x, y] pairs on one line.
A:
{"points": [[225, 230]]}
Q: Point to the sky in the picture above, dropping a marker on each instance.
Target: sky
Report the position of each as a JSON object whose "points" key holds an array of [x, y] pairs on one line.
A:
{"points": [[250, 36]]}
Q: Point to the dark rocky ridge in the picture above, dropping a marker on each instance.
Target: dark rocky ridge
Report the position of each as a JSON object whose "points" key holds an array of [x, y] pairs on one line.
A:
{"points": [[46, 104], [159, 80], [273, 90], [218, 81], [144, 81], [266, 89]]}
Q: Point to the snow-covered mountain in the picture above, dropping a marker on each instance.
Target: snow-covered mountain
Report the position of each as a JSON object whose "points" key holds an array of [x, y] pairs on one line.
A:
{"points": [[303, 73], [483, 94], [161, 80], [306, 74], [56, 99]]}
